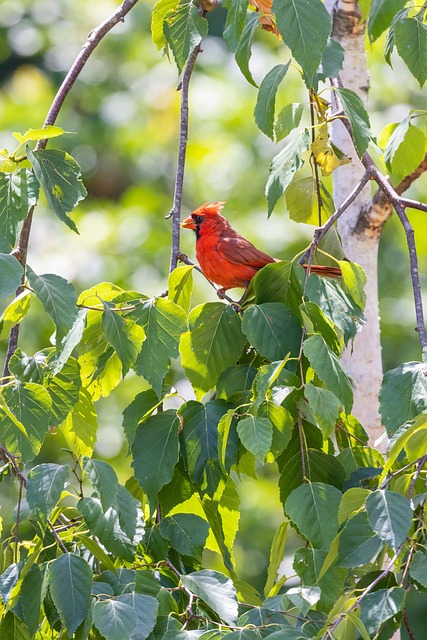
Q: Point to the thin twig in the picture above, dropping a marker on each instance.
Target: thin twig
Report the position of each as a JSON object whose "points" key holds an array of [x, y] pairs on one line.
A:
{"points": [[175, 212], [91, 43], [55, 534], [413, 204], [314, 164], [407, 625]]}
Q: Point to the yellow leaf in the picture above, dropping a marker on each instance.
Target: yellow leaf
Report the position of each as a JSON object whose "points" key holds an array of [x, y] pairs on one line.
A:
{"points": [[38, 134], [325, 154]]}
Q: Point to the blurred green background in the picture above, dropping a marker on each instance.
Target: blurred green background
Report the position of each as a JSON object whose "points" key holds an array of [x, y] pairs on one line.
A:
{"points": [[124, 112]]}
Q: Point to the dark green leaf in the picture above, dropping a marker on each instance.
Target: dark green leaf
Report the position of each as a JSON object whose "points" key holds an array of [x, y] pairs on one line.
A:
{"points": [[381, 13], [235, 383], [12, 628], [244, 49], [64, 390], [313, 508], [411, 42], [305, 27], [31, 598], [216, 590], [266, 101], [163, 322], [308, 564], [155, 452], [282, 422], [272, 329], [24, 418], [358, 544], [234, 25], [199, 442], [390, 516], [104, 479], [11, 273], [70, 585], [288, 119], [283, 168], [27, 368], [60, 177], [280, 282], [186, 533], [125, 336], [58, 298], [329, 369], [332, 60], [114, 619], [256, 434], [184, 29], [389, 43], [315, 321], [18, 192], [325, 407], [213, 343], [380, 606], [143, 404], [358, 118], [45, 483], [177, 491], [146, 608], [319, 467], [403, 394], [418, 568]]}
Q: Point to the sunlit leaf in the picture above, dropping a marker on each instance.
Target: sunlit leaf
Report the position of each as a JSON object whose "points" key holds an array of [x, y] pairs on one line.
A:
{"points": [[80, 426], [302, 201], [18, 192], [125, 336], [180, 286], [216, 590], [411, 42], [11, 273], [184, 29], [235, 22], [47, 132], [266, 101], [160, 11]]}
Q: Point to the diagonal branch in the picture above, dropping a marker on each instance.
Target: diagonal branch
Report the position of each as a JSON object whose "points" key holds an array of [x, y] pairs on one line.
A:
{"points": [[90, 45], [175, 212]]}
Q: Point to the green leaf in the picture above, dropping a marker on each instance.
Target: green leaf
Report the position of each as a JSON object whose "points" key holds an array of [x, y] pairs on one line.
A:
{"points": [[390, 516], [380, 606], [319, 467], [305, 27], [15, 312], [389, 43], [199, 442], [413, 438], [313, 508], [125, 336], [27, 368], [315, 321], [272, 329], [163, 322], [329, 369], [336, 304], [332, 60], [256, 435], [302, 201], [266, 101], [280, 282], [358, 544], [381, 13], [11, 273], [283, 168], [70, 341], [186, 533], [403, 394], [12, 628], [358, 118], [141, 406], [114, 619], [353, 281], [45, 483], [352, 501], [64, 390], [155, 452], [216, 590], [288, 119], [80, 426], [405, 148], [146, 608], [277, 553], [235, 22], [119, 528], [160, 11], [180, 286], [31, 598], [325, 407], [418, 568], [60, 177], [308, 564], [235, 383], [104, 479], [213, 343], [283, 424], [18, 193], [184, 29], [244, 49], [47, 132], [70, 585], [58, 298], [411, 42], [24, 418]]}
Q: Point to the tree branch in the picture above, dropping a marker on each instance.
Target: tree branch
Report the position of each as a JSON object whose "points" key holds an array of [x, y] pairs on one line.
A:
{"points": [[175, 212], [94, 38]]}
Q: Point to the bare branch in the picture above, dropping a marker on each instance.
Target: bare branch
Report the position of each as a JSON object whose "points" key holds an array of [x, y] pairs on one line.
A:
{"points": [[91, 43], [175, 212], [413, 204]]}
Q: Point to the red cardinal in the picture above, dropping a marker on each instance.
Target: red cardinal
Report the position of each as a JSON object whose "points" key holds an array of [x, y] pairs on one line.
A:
{"points": [[227, 258]]}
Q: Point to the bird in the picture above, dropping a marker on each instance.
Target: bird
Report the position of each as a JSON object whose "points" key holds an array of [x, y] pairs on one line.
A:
{"points": [[227, 258]]}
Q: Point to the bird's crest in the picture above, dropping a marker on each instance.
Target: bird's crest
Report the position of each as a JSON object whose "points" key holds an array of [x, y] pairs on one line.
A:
{"points": [[209, 209]]}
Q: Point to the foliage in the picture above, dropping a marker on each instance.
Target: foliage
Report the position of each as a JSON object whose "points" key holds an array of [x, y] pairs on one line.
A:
{"points": [[121, 560]]}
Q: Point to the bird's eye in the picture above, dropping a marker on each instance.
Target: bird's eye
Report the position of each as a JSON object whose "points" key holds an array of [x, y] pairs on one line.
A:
{"points": [[197, 219]]}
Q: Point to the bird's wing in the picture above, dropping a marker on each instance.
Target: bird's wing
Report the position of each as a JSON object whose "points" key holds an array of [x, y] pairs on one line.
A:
{"points": [[238, 250]]}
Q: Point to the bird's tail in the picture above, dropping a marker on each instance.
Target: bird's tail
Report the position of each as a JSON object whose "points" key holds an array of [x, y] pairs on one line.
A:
{"points": [[325, 271]]}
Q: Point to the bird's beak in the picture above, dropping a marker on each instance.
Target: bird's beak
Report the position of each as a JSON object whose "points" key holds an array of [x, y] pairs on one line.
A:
{"points": [[188, 223]]}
